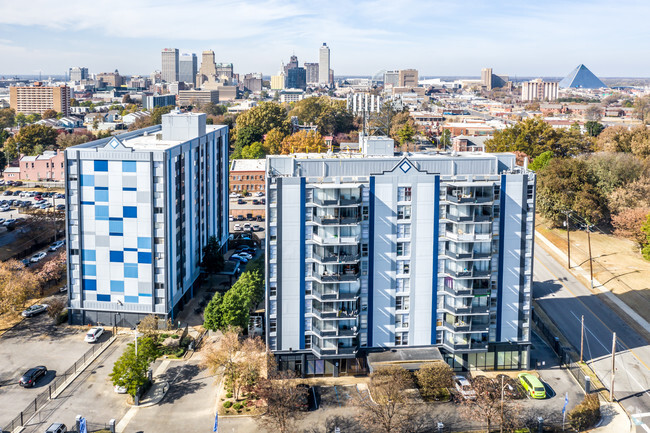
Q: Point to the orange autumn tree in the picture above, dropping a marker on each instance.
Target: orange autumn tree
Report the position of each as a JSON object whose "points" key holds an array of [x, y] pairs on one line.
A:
{"points": [[303, 142]]}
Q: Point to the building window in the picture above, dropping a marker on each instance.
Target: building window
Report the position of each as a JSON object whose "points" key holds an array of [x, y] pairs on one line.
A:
{"points": [[364, 250], [403, 267], [402, 303], [273, 290], [404, 212], [404, 193], [403, 249], [403, 284], [401, 339], [404, 231], [364, 213], [401, 320], [273, 325]]}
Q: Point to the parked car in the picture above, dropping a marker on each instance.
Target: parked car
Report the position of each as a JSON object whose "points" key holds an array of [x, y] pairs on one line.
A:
{"points": [[37, 257], [240, 217], [257, 228], [532, 385], [25, 262], [464, 388], [247, 226], [2, 220], [63, 289], [256, 201], [260, 194], [245, 255], [237, 228], [31, 376], [241, 201], [231, 218], [239, 258], [39, 200], [60, 207], [57, 427], [259, 218], [18, 182], [59, 195], [263, 201], [93, 334], [38, 197], [56, 245], [5, 209], [17, 192], [246, 249], [7, 193], [249, 217], [234, 195], [34, 310], [9, 222]]}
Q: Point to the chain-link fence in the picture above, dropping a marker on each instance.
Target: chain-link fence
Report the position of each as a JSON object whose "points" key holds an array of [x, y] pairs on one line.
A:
{"points": [[56, 384]]}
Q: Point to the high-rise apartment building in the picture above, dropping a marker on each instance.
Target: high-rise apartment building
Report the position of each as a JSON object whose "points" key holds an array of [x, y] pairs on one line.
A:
{"points": [[169, 67], [490, 81], [539, 90], [187, 67], [381, 252], [391, 78], [311, 70], [278, 82], [324, 65], [39, 98], [296, 79], [140, 208], [77, 73], [407, 78]]}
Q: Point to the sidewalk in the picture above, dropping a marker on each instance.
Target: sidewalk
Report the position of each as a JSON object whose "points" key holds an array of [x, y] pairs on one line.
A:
{"points": [[613, 419]]}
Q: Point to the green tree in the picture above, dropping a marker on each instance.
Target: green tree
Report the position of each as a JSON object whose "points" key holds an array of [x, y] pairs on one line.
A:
{"points": [[445, 139], [406, 133], [433, 379], [63, 141], [642, 108], [303, 141], [30, 140], [130, 371], [614, 139], [49, 114], [20, 119], [33, 118], [532, 136], [212, 257], [263, 118], [330, 115], [594, 128], [3, 159], [157, 113], [74, 102], [7, 118], [253, 151], [126, 99], [213, 109], [245, 136], [212, 319], [541, 161]]}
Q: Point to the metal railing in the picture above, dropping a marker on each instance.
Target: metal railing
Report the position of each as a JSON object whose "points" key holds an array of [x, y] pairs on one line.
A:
{"points": [[57, 383]]}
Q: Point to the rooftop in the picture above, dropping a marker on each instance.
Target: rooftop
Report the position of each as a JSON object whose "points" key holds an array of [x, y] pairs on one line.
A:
{"points": [[248, 165]]}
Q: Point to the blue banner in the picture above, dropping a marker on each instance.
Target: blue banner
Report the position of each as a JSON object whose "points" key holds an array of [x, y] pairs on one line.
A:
{"points": [[566, 401], [216, 422], [82, 425]]}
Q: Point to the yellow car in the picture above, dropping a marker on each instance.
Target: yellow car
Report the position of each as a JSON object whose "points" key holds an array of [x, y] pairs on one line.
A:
{"points": [[532, 385]]}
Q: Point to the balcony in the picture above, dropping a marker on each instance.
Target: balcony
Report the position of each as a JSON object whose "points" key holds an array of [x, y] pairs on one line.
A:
{"points": [[465, 291], [473, 255], [333, 314], [463, 310], [342, 201], [461, 326], [334, 296], [468, 237], [333, 220], [467, 198], [468, 273], [336, 277], [347, 350], [335, 333], [335, 240], [336, 258], [467, 218], [465, 347]]}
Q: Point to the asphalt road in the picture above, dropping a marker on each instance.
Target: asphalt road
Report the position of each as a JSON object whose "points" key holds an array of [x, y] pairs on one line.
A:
{"points": [[565, 299], [90, 395], [34, 341]]}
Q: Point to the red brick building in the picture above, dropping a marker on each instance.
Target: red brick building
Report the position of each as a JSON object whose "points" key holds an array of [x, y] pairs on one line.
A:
{"points": [[247, 175]]}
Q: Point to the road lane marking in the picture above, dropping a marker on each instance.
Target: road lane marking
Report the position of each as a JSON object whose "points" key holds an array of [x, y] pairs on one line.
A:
{"points": [[619, 340], [594, 335]]}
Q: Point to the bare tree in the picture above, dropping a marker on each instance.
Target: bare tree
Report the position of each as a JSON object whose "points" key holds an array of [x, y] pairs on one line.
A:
{"points": [[488, 406], [388, 409], [56, 307], [283, 401], [224, 356], [149, 325], [17, 286]]}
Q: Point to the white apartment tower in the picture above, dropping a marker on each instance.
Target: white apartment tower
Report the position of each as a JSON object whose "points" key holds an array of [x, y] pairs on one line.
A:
{"points": [[324, 65], [380, 252]]}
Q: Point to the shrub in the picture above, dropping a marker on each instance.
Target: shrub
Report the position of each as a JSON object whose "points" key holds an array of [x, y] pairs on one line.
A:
{"points": [[175, 336], [237, 406], [433, 379], [164, 336], [586, 414], [229, 394], [227, 404]]}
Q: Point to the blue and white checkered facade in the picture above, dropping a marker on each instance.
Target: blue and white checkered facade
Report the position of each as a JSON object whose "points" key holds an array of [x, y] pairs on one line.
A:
{"points": [[141, 207]]}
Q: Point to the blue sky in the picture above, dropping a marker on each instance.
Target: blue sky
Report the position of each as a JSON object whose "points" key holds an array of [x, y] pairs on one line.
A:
{"points": [[516, 38]]}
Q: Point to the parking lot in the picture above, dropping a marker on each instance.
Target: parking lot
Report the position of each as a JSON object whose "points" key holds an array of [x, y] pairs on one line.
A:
{"points": [[248, 210], [34, 341]]}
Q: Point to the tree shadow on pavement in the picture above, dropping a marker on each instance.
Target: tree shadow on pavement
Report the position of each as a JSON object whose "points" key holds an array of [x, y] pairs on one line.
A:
{"points": [[182, 381]]}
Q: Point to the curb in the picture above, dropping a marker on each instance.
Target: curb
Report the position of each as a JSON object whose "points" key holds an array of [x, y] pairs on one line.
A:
{"points": [[108, 344], [165, 386]]}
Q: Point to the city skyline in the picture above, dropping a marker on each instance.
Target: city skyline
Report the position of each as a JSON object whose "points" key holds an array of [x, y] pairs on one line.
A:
{"points": [[457, 39]]}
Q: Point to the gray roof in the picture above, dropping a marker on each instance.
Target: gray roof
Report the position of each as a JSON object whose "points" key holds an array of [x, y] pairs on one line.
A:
{"points": [[410, 358]]}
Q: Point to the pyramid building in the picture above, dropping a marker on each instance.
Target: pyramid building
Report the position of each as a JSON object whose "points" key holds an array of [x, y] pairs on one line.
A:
{"points": [[581, 77]]}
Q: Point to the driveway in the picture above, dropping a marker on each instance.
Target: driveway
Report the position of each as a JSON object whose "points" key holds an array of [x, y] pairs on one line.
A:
{"points": [[34, 341]]}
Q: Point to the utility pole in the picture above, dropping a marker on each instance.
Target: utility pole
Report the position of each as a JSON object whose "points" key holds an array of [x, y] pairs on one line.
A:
{"points": [[582, 335], [568, 242], [501, 404], [591, 265], [611, 387]]}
